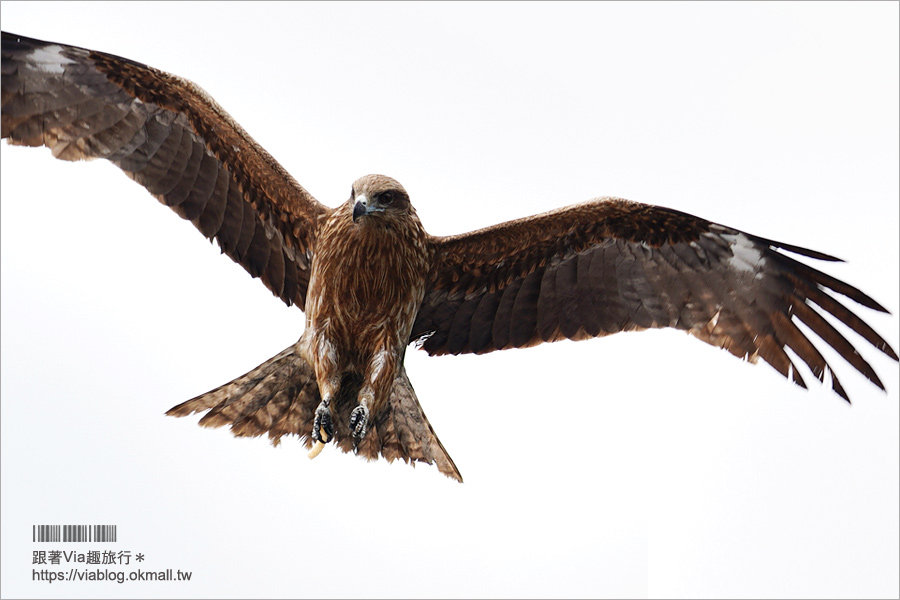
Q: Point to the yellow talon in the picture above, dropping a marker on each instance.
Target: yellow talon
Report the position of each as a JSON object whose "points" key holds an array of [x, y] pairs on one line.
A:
{"points": [[319, 445], [317, 448]]}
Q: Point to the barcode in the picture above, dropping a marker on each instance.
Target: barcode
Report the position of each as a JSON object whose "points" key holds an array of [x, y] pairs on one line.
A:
{"points": [[73, 533]]}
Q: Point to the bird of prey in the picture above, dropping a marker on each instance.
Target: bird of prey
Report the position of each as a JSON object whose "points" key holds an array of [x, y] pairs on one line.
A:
{"points": [[372, 281]]}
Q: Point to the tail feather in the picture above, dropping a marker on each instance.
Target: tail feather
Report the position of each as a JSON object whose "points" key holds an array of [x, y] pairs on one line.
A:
{"points": [[280, 396], [403, 431]]}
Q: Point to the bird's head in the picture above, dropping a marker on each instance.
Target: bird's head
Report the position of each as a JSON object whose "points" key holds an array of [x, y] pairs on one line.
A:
{"points": [[378, 196]]}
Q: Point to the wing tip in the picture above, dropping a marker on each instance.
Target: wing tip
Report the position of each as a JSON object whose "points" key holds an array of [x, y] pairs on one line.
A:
{"points": [[794, 249]]}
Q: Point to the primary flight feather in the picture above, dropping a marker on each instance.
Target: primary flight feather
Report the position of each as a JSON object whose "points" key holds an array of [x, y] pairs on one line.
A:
{"points": [[371, 280]]}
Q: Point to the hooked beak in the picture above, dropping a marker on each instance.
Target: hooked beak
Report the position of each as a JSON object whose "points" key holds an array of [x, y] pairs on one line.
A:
{"points": [[363, 207]]}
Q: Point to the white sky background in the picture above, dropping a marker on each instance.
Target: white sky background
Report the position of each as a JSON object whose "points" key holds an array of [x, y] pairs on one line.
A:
{"points": [[642, 464]]}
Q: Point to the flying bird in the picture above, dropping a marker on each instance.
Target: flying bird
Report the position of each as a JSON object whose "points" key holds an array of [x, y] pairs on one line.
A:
{"points": [[371, 281]]}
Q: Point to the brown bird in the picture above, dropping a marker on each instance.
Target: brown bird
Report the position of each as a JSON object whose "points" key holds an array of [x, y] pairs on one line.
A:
{"points": [[371, 280]]}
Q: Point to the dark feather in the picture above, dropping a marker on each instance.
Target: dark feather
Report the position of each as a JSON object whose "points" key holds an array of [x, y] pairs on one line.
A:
{"points": [[170, 137], [611, 265], [279, 398], [375, 280]]}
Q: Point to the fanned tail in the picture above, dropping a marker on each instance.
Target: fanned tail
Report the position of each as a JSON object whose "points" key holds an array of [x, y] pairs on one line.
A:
{"points": [[401, 430], [280, 396]]}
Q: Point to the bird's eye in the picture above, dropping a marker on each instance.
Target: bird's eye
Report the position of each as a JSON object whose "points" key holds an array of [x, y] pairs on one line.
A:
{"points": [[385, 198]]}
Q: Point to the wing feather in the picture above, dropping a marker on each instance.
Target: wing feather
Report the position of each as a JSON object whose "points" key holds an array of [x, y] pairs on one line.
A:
{"points": [[612, 313], [547, 306], [186, 179], [273, 275], [524, 317], [836, 340], [482, 322], [229, 234], [568, 306], [204, 195], [257, 255], [502, 326], [172, 138], [164, 169], [587, 295], [611, 265], [462, 325]]}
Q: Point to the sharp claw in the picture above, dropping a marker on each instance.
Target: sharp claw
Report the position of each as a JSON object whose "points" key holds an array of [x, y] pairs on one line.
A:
{"points": [[323, 429], [317, 448], [359, 420], [324, 434]]}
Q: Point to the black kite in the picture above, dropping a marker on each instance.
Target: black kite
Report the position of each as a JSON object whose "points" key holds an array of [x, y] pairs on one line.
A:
{"points": [[371, 280]]}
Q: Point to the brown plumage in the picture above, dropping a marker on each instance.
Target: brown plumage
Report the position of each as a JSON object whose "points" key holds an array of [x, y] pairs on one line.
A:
{"points": [[371, 280]]}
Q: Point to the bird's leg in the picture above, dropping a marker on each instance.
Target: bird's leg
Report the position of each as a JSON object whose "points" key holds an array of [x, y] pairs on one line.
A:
{"points": [[323, 426], [359, 420], [378, 378]]}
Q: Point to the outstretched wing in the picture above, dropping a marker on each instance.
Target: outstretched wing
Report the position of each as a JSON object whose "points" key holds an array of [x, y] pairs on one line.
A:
{"points": [[611, 265], [168, 135]]}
